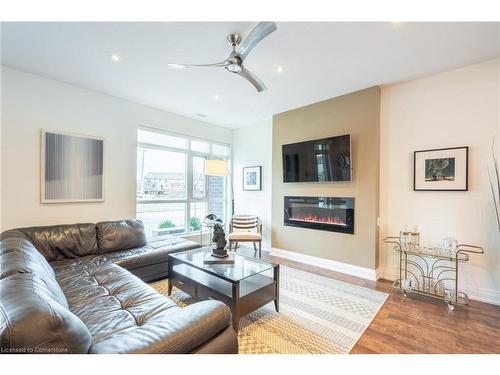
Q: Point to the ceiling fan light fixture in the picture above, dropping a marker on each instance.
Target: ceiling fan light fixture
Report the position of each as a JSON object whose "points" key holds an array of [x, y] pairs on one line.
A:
{"points": [[235, 68]]}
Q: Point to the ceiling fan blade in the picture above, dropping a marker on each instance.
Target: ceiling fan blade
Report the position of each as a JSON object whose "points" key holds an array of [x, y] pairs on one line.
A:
{"points": [[184, 66], [258, 33], [250, 77]]}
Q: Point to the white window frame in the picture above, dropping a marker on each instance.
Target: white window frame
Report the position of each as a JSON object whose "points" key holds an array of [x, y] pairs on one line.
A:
{"points": [[189, 172]]}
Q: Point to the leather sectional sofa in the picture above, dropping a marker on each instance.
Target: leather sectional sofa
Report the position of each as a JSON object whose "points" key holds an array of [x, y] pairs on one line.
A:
{"points": [[78, 289]]}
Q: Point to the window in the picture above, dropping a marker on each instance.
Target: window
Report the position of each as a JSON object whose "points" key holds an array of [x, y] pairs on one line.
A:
{"points": [[173, 193], [200, 146], [162, 174], [199, 177], [161, 139]]}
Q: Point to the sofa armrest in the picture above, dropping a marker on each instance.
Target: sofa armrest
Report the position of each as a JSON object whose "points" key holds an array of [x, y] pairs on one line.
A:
{"points": [[175, 333]]}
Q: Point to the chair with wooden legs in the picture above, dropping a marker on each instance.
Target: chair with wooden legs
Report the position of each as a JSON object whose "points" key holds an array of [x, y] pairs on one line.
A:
{"points": [[245, 228]]}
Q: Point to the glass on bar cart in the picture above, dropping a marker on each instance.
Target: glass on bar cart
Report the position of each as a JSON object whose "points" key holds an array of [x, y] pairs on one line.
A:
{"points": [[415, 237], [404, 238], [450, 246]]}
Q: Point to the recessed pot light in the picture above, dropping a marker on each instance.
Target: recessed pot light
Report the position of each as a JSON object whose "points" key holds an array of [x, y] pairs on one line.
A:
{"points": [[115, 57], [216, 97], [279, 69]]}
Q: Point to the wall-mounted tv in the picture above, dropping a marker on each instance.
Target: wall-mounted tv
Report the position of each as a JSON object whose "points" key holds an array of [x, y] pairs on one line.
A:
{"points": [[320, 160]]}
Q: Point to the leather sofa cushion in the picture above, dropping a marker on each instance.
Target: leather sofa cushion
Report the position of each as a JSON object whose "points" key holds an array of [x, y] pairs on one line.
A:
{"points": [[108, 298], [63, 241], [181, 331], [152, 253], [19, 256], [30, 318], [225, 342], [120, 235], [13, 233]]}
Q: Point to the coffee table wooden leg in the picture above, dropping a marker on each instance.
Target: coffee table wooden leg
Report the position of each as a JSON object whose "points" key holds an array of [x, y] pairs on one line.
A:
{"points": [[170, 275], [277, 282], [235, 311], [236, 323]]}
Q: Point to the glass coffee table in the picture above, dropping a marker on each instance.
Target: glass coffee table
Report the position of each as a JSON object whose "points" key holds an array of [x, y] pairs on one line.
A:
{"points": [[244, 286]]}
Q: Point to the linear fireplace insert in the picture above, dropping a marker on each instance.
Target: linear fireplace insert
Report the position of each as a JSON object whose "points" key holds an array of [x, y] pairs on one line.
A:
{"points": [[323, 213]]}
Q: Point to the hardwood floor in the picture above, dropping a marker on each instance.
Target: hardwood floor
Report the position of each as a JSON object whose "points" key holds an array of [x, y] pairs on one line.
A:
{"points": [[417, 324]]}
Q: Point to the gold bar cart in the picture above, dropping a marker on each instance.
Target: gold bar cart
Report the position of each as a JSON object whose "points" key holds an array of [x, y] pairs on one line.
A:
{"points": [[427, 271]]}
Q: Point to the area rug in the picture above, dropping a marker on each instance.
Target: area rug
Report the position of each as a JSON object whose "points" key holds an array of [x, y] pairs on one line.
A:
{"points": [[318, 315]]}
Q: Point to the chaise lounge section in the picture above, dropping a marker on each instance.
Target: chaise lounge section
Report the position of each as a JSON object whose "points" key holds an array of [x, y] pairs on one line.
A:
{"points": [[77, 289]]}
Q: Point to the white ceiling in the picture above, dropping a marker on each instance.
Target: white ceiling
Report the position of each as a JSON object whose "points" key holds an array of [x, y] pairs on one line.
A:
{"points": [[320, 61]]}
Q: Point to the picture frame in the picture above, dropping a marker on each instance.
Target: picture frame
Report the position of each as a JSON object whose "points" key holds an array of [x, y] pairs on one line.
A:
{"points": [[72, 167], [443, 169], [252, 178]]}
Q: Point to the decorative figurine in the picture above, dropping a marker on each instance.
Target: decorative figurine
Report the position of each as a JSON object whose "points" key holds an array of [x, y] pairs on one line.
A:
{"points": [[210, 219], [219, 241]]}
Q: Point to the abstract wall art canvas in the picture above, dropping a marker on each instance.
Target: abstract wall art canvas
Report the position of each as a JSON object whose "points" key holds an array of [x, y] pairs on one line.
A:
{"points": [[441, 169], [72, 168]]}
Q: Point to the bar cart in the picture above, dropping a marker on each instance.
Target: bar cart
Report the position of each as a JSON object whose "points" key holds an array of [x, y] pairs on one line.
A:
{"points": [[432, 272]]}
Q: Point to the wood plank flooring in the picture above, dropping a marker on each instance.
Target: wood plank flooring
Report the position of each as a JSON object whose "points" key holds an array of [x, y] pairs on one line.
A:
{"points": [[417, 324]]}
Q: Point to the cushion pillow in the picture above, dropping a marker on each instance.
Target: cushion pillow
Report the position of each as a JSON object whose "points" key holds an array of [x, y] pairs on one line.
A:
{"points": [[120, 235], [60, 242]]}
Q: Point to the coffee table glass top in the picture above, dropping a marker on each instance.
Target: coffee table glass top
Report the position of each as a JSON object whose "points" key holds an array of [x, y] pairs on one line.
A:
{"points": [[242, 267]]}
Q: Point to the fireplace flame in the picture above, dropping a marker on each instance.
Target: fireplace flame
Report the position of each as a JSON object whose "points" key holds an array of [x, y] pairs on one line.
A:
{"points": [[319, 219]]}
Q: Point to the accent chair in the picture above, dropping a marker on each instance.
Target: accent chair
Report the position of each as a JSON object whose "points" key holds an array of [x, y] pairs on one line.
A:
{"points": [[245, 228]]}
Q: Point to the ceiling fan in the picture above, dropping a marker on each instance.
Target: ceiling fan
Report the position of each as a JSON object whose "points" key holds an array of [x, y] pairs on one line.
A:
{"points": [[234, 63]]}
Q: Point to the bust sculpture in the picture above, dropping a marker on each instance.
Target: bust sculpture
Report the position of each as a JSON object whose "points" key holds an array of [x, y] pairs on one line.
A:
{"points": [[219, 241]]}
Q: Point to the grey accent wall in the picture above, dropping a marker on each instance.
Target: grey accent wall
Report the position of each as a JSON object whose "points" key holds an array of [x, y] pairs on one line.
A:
{"points": [[357, 114]]}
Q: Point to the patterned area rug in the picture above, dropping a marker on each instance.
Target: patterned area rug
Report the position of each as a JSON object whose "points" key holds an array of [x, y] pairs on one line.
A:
{"points": [[318, 315]]}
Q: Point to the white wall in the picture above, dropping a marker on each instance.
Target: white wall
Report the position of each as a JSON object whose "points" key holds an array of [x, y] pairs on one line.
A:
{"points": [[30, 103], [252, 146], [457, 108]]}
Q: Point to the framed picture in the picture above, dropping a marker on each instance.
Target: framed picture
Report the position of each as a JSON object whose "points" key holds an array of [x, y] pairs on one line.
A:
{"points": [[72, 168], [441, 169], [252, 178]]}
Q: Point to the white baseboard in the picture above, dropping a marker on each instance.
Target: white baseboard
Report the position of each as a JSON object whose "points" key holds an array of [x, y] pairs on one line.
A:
{"points": [[349, 269], [476, 294]]}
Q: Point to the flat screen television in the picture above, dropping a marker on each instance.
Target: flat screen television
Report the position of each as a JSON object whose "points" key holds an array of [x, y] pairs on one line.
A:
{"points": [[319, 160]]}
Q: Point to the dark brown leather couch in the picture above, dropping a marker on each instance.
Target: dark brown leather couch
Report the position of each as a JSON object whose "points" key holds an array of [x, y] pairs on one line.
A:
{"points": [[76, 289]]}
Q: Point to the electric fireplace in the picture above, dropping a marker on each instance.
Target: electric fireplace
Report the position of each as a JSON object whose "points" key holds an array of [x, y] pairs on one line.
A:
{"points": [[322, 213]]}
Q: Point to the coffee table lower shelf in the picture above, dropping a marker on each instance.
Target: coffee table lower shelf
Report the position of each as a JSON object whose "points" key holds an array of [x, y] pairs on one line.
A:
{"points": [[242, 296]]}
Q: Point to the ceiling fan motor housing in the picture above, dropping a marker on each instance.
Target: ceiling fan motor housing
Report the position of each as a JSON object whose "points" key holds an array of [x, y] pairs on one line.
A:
{"points": [[234, 39]]}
